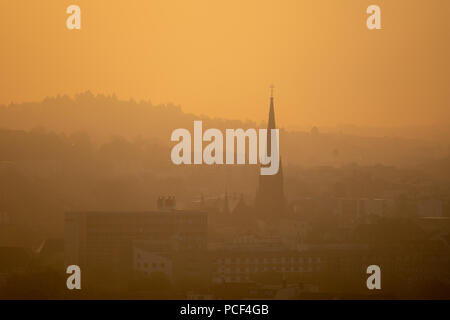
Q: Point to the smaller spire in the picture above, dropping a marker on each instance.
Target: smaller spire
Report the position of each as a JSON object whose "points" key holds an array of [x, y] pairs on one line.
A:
{"points": [[271, 90]]}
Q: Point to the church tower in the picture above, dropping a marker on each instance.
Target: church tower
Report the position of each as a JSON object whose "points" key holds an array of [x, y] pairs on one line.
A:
{"points": [[270, 202]]}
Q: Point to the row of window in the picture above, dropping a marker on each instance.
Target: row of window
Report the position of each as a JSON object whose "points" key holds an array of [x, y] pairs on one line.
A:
{"points": [[264, 269], [267, 260], [231, 279], [153, 265]]}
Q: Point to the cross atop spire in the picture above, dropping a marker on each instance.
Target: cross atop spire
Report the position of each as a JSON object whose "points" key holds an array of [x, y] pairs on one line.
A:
{"points": [[271, 122], [271, 90]]}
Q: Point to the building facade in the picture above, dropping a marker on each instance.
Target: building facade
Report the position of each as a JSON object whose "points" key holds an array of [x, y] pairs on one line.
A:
{"points": [[102, 243]]}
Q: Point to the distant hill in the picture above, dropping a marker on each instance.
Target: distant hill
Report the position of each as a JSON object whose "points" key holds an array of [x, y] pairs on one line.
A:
{"points": [[102, 117]]}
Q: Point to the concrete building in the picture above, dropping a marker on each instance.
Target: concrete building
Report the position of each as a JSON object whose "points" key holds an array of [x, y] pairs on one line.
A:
{"points": [[101, 243], [237, 266], [146, 262]]}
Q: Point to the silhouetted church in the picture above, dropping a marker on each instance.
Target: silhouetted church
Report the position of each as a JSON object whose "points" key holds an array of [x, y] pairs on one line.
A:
{"points": [[270, 201]]}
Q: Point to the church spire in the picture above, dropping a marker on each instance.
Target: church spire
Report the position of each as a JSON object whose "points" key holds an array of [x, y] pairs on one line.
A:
{"points": [[270, 122], [269, 200]]}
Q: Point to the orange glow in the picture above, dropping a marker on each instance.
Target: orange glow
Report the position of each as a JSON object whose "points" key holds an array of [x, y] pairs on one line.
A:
{"points": [[219, 57]]}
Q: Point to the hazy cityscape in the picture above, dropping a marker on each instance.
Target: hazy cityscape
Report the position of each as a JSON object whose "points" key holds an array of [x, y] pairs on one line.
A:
{"points": [[87, 180]]}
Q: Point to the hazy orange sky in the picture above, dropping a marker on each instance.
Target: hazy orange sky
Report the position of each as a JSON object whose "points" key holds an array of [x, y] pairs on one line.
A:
{"points": [[218, 58]]}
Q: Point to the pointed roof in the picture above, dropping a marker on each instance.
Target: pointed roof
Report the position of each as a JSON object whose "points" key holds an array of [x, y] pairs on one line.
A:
{"points": [[269, 201], [241, 208], [271, 122]]}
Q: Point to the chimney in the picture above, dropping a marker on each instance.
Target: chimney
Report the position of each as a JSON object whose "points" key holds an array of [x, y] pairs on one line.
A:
{"points": [[166, 203]]}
